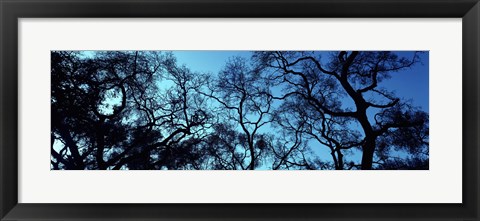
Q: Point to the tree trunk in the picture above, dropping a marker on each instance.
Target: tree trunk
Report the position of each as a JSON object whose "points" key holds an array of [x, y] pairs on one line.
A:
{"points": [[367, 157], [340, 160], [369, 145], [252, 156], [100, 146]]}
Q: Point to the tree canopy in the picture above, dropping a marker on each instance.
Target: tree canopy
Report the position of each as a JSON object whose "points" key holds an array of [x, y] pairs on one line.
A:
{"points": [[142, 110]]}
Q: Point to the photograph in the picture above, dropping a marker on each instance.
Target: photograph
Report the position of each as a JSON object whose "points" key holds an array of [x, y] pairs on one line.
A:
{"points": [[239, 110]]}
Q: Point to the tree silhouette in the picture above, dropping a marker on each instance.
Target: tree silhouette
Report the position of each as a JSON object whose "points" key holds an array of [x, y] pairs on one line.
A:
{"points": [[325, 85], [107, 112], [241, 96], [141, 110]]}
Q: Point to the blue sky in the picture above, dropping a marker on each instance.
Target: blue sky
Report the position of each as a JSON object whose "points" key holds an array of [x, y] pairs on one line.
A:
{"points": [[407, 84]]}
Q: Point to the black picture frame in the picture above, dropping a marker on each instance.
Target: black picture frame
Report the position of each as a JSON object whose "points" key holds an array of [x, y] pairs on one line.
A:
{"points": [[11, 10]]}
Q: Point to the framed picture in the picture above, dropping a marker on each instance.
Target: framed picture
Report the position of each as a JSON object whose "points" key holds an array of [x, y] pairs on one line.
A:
{"points": [[256, 110]]}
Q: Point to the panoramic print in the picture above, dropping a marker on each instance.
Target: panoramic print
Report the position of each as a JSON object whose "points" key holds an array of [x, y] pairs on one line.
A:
{"points": [[239, 110]]}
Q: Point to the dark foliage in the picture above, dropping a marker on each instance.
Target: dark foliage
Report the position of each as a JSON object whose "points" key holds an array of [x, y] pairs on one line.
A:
{"points": [[143, 111]]}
